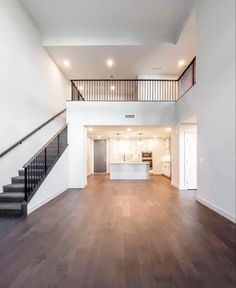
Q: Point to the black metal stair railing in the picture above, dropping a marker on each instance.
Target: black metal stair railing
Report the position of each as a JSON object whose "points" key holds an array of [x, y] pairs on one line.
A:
{"points": [[38, 167]]}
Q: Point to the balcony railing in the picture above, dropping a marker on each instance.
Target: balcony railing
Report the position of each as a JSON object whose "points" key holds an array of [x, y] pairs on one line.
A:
{"points": [[187, 78], [134, 90]]}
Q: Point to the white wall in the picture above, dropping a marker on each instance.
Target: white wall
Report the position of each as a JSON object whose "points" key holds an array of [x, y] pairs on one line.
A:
{"points": [[212, 100], [55, 183], [32, 88], [14, 161], [175, 157], [81, 114], [188, 106], [89, 156], [113, 113], [216, 92], [77, 140]]}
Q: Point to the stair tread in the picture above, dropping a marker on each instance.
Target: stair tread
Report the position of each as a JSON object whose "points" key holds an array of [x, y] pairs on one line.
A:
{"points": [[12, 194], [18, 177], [10, 206], [15, 185]]}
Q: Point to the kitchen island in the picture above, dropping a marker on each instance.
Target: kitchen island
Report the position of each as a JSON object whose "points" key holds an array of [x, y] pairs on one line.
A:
{"points": [[129, 171]]}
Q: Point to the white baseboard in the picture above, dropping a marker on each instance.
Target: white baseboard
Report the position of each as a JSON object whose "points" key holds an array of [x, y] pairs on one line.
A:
{"points": [[174, 185], [45, 201], [217, 209]]}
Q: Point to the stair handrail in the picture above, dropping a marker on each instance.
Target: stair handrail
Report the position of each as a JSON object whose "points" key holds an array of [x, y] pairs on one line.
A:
{"points": [[30, 134]]}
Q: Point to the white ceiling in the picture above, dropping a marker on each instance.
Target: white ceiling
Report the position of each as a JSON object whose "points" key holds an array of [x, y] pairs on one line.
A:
{"points": [[138, 35], [89, 62], [109, 22], [111, 132]]}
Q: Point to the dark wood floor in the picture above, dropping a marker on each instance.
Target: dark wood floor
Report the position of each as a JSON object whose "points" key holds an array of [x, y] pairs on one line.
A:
{"points": [[119, 234]]}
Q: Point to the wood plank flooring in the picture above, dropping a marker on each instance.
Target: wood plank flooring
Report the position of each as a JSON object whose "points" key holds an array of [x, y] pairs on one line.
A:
{"points": [[112, 234]]}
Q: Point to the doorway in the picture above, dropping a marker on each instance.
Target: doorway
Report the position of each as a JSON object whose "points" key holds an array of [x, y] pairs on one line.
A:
{"points": [[100, 156]]}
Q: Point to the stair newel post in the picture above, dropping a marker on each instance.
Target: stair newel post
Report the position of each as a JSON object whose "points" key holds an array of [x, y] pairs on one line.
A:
{"points": [[26, 185]]}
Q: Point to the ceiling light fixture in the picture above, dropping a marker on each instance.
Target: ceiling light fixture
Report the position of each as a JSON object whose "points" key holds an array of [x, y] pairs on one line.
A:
{"points": [[181, 63], [129, 129], [110, 62], [155, 136], [168, 129], [66, 63], [99, 136], [90, 129], [81, 88], [112, 88]]}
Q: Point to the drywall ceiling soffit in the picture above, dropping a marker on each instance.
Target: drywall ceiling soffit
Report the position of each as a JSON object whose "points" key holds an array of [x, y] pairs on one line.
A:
{"points": [[147, 132], [89, 62], [109, 22]]}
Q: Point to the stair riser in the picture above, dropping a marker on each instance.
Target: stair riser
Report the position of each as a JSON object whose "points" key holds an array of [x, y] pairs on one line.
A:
{"points": [[38, 170], [21, 173], [13, 189], [35, 172], [17, 181], [22, 181], [15, 213]]}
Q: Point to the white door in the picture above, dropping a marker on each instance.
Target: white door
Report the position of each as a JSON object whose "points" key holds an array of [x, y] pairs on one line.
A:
{"points": [[191, 160]]}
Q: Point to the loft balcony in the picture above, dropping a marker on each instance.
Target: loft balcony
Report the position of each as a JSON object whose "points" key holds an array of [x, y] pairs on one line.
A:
{"points": [[135, 89]]}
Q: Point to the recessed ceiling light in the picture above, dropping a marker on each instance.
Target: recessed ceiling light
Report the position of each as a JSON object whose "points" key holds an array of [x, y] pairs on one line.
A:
{"points": [[66, 63], [90, 129], [168, 129], [99, 136], [155, 136], [110, 62], [129, 129], [181, 63], [112, 88], [81, 88]]}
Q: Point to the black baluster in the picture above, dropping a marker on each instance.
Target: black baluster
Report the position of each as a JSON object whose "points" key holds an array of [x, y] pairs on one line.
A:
{"points": [[26, 186], [45, 160]]}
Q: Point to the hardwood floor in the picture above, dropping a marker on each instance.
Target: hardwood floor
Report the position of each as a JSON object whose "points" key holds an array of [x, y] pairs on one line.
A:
{"points": [[119, 234]]}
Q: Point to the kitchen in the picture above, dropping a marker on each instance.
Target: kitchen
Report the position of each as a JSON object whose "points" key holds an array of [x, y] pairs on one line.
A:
{"points": [[128, 153]]}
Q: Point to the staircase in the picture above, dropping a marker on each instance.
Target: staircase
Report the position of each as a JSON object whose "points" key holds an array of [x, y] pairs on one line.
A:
{"points": [[12, 199], [15, 196]]}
